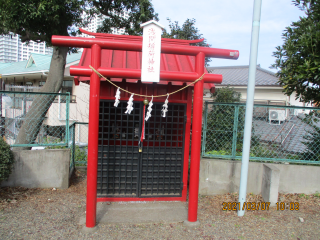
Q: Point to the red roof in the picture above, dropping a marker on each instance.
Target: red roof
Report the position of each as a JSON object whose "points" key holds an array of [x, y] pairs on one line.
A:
{"points": [[132, 59]]}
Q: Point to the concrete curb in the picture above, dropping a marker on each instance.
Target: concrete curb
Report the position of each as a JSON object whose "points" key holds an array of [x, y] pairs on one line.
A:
{"points": [[191, 225], [87, 230]]}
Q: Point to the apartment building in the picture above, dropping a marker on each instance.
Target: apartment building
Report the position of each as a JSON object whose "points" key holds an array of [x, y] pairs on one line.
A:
{"points": [[97, 21], [13, 50]]}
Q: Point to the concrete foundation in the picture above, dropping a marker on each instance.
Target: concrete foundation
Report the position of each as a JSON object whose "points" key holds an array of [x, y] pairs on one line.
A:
{"points": [[191, 225], [140, 212], [87, 230], [47, 168], [219, 176], [270, 184]]}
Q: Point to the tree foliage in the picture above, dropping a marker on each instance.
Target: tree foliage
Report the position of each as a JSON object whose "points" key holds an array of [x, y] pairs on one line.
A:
{"points": [[220, 121], [226, 95], [313, 141], [187, 31], [298, 58], [312, 137], [140, 11], [223, 120], [38, 20]]}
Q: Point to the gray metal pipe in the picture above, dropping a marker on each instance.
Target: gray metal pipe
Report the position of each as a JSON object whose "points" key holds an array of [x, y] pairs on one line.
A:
{"points": [[249, 105]]}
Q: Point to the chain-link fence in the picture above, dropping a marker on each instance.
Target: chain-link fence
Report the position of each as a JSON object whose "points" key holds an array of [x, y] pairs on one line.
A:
{"points": [[78, 144], [32, 119], [279, 133]]}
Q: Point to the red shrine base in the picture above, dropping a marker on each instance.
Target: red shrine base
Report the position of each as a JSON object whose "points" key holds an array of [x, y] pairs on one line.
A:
{"points": [[163, 199]]}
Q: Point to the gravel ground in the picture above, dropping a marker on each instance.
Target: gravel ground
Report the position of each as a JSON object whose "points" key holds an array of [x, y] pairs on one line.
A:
{"points": [[54, 214]]}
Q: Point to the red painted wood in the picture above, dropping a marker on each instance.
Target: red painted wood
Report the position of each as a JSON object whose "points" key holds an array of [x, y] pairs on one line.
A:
{"points": [[92, 166], [149, 89], [109, 60], [187, 143], [139, 38], [137, 46], [196, 142], [182, 199], [136, 73]]}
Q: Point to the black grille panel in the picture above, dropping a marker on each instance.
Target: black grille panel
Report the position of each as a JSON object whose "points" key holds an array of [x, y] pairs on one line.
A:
{"points": [[157, 171], [117, 175], [162, 158]]}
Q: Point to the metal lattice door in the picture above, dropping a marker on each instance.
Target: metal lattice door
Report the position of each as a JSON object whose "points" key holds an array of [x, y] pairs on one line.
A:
{"points": [[157, 171]]}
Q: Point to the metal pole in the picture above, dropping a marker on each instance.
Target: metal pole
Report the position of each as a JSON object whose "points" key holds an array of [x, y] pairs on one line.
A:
{"points": [[196, 142], [92, 167], [249, 104]]}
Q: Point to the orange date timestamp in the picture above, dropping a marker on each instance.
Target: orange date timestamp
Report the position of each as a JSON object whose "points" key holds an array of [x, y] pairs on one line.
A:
{"points": [[255, 206], [249, 206]]}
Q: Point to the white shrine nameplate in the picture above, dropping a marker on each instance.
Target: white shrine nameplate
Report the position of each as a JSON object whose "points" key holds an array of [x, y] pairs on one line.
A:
{"points": [[151, 51]]}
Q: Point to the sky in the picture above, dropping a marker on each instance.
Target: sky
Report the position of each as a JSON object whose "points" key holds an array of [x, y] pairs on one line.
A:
{"points": [[227, 24]]}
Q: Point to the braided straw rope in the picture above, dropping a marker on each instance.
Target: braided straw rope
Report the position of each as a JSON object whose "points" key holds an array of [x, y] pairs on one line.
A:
{"points": [[99, 74]]}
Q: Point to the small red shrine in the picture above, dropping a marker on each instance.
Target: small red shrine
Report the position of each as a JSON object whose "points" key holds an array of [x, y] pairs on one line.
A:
{"points": [[119, 169]]}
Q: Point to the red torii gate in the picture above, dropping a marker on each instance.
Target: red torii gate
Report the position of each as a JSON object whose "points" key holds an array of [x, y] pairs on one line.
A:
{"points": [[134, 43]]}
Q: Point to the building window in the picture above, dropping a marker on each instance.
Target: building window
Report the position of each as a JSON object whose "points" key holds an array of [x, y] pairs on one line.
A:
{"points": [[67, 86]]}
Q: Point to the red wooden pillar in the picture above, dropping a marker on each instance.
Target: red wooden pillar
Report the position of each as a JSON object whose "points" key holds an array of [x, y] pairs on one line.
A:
{"points": [[196, 141], [92, 167]]}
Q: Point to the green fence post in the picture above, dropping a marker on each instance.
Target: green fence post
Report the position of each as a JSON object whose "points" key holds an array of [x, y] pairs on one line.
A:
{"points": [[204, 130], [67, 118], [235, 130]]}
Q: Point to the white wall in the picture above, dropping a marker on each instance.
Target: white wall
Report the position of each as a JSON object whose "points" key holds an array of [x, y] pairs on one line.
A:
{"points": [[264, 94], [261, 94], [80, 110]]}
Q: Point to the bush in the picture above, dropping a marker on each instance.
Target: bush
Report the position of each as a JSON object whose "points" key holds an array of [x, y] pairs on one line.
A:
{"points": [[6, 160], [80, 155], [220, 121], [312, 152], [220, 124]]}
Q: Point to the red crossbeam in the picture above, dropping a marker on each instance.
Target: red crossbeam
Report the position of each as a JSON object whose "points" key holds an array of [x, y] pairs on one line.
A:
{"points": [[136, 74], [137, 46]]}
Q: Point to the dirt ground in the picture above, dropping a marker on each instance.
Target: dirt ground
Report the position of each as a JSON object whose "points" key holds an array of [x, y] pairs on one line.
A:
{"points": [[54, 214]]}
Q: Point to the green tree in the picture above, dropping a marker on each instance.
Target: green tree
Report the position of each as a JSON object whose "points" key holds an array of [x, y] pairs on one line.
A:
{"points": [[312, 138], [187, 31], [140, 11], [226, 95], [220, 121], [38, 20], [298, 58], [313, 142]]}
